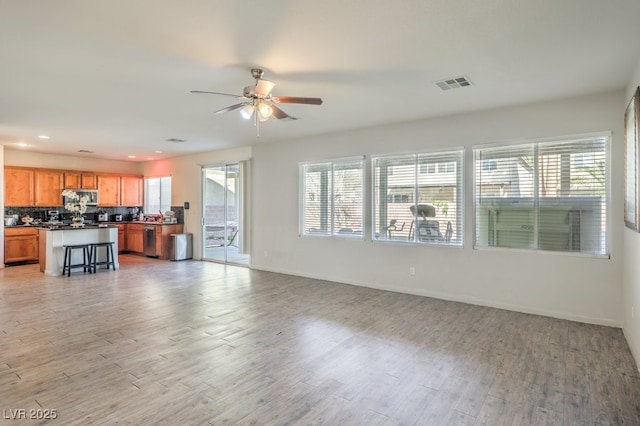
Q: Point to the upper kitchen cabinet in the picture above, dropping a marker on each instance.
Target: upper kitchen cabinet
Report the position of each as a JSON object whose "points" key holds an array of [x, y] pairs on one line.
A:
{"points": [[131, 191], [18, 187], [108, 190], [80, 180], [89, 181], [48, 187]]}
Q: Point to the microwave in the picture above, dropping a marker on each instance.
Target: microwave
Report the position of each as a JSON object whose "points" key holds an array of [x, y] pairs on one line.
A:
{"points": [[92, 194]]}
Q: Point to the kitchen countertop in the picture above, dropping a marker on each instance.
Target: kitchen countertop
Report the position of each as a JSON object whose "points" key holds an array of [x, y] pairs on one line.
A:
{"points": [[72, 228], [94, 225], [149, 223]]}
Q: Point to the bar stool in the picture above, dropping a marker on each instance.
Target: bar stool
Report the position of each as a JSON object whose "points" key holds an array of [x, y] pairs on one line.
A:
{"points": [[86, 258], [93, 256]]}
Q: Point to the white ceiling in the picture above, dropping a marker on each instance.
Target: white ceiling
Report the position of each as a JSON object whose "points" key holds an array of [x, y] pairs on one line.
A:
{"points": [[114, 76]]}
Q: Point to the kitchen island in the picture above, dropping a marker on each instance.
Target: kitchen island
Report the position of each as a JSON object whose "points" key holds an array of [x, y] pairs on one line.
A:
{"points": [[52, 240]]}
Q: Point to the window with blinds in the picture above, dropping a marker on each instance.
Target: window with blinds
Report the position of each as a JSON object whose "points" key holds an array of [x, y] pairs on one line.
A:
{"points": [[157, 194], [418, 198], [548, 196], [332, 198]]}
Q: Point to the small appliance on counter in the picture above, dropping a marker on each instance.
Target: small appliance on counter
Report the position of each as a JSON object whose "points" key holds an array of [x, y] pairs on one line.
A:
{"points": [[169, 217], [53, 215], [132, 213], [103, 217], [116, 218], [151, 218]]}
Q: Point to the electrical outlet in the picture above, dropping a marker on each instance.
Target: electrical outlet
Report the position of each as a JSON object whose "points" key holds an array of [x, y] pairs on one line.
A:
{"points": [[412, 270]]}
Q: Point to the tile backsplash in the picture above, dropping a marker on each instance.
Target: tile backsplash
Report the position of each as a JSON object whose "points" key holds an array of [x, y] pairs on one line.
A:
{"points": [[43, 213]]}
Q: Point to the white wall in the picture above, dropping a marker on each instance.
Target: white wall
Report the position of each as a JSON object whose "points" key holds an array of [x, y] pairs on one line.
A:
{"points": [[186, 183], [26, 158], [631, 275], [580, 288]]}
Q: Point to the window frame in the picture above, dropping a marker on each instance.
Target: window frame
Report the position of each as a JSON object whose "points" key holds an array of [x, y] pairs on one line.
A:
{"points": [[303, 198], [146, 203], [422, 171], [535, 143]]}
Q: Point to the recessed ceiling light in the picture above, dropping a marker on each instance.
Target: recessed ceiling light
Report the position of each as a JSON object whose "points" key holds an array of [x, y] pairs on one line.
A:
{"points": [[22, 144], [43, 137], [131, 156], [158, 152]]}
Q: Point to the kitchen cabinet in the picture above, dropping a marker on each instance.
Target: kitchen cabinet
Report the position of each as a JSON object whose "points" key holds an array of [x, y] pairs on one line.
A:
{"points": [[48, 186], [108, 190], [20, 245], [163, 233], [72, 180], [131, 191], [89, 181], [80, 180], [133, 237], [18, 187], [122, 241], [35, 187]]}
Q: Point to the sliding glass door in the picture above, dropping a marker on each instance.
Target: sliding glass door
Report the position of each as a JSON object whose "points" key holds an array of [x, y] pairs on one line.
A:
{"points": [[224, 218]]}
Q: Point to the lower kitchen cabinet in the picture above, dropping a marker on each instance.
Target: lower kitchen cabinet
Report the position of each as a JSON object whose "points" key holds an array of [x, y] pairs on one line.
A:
{"points": [[20, 245], [163, 235], [122, 240], [133, 237]]}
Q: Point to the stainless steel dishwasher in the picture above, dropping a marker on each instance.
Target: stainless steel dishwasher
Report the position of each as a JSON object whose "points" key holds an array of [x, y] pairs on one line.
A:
{"points": [[149, 241]]}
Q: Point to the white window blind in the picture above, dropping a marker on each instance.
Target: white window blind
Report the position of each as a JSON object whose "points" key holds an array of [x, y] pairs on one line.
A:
{"points": [[332, 198], [418, 198], [157, 194], [548, 196]]}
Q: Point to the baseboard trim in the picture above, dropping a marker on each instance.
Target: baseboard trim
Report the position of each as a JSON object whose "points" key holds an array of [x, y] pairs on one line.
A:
{"points": [[454, 298]]}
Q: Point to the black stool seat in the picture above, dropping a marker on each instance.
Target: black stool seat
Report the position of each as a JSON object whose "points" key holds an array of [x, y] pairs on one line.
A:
{"points": [[93, 256], [86, 258]]}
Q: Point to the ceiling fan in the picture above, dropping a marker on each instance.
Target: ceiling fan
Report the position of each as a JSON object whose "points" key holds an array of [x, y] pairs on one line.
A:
{"points": [[258, 102]]}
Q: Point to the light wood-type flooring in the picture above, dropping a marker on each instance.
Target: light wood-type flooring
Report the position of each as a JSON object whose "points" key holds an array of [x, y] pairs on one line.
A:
{"points": [[190, 343]]}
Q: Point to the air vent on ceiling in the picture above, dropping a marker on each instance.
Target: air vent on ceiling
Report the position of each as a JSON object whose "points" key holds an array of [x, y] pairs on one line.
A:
{"points": [[176, 140], [453, 83], [86, 151]]}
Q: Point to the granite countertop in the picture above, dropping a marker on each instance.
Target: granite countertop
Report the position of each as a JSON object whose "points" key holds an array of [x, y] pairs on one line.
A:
{"points": [[149, 223], [93, 225], [73, 228]]}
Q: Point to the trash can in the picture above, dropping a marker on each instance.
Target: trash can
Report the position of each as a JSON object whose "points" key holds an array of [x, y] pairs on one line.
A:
{"points": [[180, 246]]}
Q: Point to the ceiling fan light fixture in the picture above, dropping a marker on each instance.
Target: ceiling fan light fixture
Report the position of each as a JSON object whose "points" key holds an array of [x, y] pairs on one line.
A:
{"points": [[247, 111], [264, 111], [258, 104]]}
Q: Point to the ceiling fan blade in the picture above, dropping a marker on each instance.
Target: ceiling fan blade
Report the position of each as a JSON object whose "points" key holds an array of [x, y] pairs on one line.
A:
{"points": [[232, 107], [263, 87], [280, 114], [296, 100], [217, 93]]}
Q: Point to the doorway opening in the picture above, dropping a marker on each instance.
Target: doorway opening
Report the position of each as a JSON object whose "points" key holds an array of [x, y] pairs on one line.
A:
{"points": [[224, 221]]}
